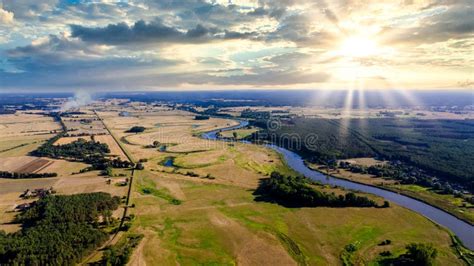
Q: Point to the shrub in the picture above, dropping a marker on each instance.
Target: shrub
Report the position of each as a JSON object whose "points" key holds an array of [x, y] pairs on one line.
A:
{"points": [[421, 254], [136, 129]]}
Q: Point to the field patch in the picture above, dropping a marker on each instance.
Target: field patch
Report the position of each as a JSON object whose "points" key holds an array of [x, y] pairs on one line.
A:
{"points": [[113, 146], [21, 124], [67, 140], [201, 159], [34, 166]]}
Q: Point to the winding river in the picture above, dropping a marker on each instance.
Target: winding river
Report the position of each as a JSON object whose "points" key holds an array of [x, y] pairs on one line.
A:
{"points": [[463, 230]]}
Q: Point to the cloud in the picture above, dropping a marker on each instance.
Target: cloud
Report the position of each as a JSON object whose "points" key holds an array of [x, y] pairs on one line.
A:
{"points": [[153, 32], [274, 78], [53, 51], [6, 17], [159, 43], [457, 22], [29, 9], [61, 55], [60, 62]]}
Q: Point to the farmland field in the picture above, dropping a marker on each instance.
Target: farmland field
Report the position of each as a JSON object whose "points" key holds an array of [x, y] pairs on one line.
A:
{"points": [[67, 140], [115, 150], [237, 132], [23, 133], [201, 208], [213, 218]]}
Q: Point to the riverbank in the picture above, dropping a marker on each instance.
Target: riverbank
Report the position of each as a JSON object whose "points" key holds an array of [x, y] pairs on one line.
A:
{"points": [[392, 188], [464, 252], [462, 229]]}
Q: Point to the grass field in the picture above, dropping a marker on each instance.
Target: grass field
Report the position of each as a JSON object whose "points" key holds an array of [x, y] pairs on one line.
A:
{"points": [[241, 133], [213, 218], [67, 140], [190, 220], [22, 124], [222, 224]]}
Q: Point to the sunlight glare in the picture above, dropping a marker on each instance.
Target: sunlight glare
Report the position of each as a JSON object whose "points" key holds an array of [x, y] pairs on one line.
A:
{"points": [[358, 46]]}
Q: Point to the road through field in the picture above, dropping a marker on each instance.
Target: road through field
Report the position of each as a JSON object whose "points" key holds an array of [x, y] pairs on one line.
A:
{"points": [[127, 201]]}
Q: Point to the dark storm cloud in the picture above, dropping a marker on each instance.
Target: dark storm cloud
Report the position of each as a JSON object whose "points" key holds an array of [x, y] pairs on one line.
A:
{"points": [[274, 77], [126, 76], [60, 54], [153, 32]]}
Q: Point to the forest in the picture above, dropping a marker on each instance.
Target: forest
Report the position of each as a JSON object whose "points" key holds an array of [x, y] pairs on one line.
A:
{"points": [[441, 148], [295, 191], [58, 230], [80, 150], [13, 175], [90, 152]]}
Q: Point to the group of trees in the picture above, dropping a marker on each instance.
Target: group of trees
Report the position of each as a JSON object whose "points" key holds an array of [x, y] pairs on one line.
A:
{"points": [[297, 191], [79, 150], [437, 147], [90, 152], [119, 163], [120, 253], [404, 173], [416, 254], [136, 129], [13, 175], [58, 230], [211, 111], [201, 117], [6, 111]]}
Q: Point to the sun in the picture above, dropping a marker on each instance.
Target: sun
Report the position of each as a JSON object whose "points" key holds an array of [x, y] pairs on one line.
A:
{"points": [[358, 46]]}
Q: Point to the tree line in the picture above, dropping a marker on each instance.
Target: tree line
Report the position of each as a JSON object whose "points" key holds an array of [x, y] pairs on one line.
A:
{"points": [[13, 175], [295, 191], [440, 148]]}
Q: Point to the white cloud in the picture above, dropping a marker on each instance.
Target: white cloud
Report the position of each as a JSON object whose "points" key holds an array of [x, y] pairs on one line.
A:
{"points": [[6, 17]]}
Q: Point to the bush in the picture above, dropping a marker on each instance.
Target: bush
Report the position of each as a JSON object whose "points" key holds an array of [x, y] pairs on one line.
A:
{"points": [[126, 226], [421, 254], [139, 166], [120, 253], [136, 129], [189, 173], [201, 117]]}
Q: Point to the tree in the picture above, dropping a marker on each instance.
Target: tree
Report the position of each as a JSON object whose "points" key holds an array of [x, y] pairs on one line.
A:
{"points": [[235, 135], [421, 254], [136, 129], [140, 166]]}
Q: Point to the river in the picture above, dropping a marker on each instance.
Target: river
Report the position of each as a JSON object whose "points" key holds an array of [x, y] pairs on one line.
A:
{"points": [[463, 230]]}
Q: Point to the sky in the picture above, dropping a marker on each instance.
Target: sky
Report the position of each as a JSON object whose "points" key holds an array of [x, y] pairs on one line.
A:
{"points": [[101, 45]]}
